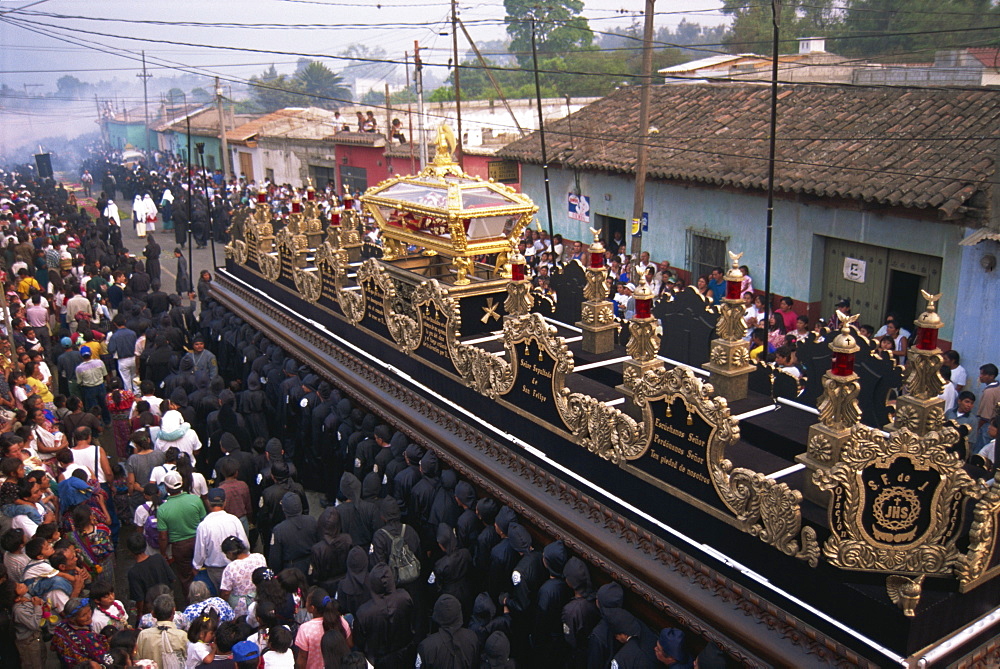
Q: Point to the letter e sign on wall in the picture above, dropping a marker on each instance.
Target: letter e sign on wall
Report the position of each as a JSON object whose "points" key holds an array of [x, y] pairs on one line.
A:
{"points": [[854, 270]]}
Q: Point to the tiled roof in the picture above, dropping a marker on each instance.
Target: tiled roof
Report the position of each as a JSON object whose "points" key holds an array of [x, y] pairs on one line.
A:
{"points": [[988, 56], [288, 123], [893, 146]]}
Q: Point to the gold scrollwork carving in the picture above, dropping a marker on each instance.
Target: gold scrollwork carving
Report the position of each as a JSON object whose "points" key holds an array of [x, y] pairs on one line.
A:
{"points": [[731, 325], [838, 406], [487, 374], [519, 298], [973, 567], [603, 430], [596, 289], [237, 250], [924, 380], [270, 265], [404, 329], [764, 508], [309, 283], [820, 448], [768, 510], [643, 342], [932, 551]]}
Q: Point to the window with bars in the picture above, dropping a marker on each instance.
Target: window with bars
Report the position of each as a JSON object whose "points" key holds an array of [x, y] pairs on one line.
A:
{"points": [[706, 250]]}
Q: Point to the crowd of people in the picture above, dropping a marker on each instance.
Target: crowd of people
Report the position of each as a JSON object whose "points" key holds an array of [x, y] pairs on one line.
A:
{"points": [[774, 334], [152, 506]]}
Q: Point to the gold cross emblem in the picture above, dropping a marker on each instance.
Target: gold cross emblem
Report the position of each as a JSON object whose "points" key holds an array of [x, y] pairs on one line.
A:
{"points": [[490, 311]]}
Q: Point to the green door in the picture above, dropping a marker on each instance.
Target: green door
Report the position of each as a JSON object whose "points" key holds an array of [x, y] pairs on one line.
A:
{"points": [[863, 284]]}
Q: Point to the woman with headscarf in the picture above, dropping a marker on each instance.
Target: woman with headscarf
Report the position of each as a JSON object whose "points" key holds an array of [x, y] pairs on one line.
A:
{"points": [[150, 210], [353, 590], [167, 209], [73, 640], [139, 216], [111, 213], [174, 431]]}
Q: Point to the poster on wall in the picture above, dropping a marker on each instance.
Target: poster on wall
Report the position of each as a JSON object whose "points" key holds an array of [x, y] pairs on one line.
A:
{"points": [[579, 208]]}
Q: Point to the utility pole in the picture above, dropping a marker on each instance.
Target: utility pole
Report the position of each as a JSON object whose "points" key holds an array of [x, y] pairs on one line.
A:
{"points": [[541, 137], [642, 158], [409, 115], [771, 149], [388, 116], [418, 77], [222, 136], [458, 84], [145, 98]]}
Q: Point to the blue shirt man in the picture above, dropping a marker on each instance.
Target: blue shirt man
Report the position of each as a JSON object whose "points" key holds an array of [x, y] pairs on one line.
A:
{"points": [[717, 285]]}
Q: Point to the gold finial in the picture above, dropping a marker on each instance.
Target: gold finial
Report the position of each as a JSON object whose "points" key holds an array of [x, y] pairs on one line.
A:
{"points": [[930, 318], [734, 273], [596, 246], [845, 341], [642, 291]]}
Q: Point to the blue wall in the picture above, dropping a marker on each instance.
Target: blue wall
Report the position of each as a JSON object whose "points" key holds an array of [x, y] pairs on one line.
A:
{"points": [[797, 256], [977, 337]]}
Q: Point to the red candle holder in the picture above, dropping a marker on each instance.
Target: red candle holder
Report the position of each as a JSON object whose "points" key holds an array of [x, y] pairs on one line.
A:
{"points": [[296, 206], [927, 339], [335, 218], [843, 364], [597, 260], [643, 308], [733, 289], [262, 196], [310, 194], [517, 271]]}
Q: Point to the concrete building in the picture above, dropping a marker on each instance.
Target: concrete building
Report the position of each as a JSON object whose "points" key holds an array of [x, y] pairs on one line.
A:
{"points": [[813, 63]]}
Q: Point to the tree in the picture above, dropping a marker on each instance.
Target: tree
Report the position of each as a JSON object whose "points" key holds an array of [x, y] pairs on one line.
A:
{"points": [[752, 24], [272, 91], [558, 27], [913, 29], [69, 87], [201, 95], [328, 89]]}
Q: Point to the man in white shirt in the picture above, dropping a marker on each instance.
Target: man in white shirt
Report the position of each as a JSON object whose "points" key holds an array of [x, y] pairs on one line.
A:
{"points": [[959, 376], [212, 531], [148, 391]]}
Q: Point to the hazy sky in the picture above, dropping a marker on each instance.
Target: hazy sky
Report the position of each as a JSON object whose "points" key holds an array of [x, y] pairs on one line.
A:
{"points": [[41, 41]]}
